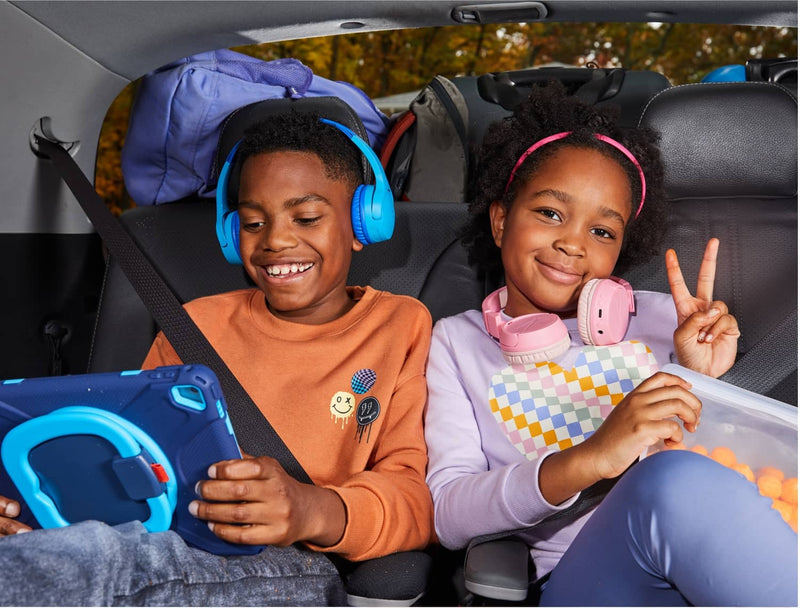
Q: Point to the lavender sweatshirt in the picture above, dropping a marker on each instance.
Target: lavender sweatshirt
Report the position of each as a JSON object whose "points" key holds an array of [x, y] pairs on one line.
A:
{"points": [[489, 425]]}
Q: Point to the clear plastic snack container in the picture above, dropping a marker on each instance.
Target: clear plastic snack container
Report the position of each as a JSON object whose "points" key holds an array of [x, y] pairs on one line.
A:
{"points": [[762, 432]]}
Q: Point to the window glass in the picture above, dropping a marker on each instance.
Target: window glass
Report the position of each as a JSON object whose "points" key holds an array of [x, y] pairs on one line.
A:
{"points": [[385, 64]]}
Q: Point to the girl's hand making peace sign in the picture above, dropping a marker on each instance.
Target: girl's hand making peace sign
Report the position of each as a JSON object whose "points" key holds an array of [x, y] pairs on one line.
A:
{"points": [[706, 337]]}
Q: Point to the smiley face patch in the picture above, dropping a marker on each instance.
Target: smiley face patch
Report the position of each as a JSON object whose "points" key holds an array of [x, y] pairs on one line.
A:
{"points": [[366, 408], [343, 404], [542, 406]]}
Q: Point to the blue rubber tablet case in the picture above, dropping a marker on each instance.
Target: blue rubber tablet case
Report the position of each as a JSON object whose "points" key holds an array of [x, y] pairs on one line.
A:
{"points": [[116, 447]]}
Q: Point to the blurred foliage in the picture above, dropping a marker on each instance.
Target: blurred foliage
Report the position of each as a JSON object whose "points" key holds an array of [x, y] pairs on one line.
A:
{"points": [[108, 173], [386, 63]]}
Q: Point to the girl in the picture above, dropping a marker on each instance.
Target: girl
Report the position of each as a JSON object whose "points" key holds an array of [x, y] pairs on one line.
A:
{"points": [[529, 417]]}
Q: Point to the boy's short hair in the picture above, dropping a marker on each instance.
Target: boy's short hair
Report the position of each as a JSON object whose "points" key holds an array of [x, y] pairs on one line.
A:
{"points": [[300, 132]]}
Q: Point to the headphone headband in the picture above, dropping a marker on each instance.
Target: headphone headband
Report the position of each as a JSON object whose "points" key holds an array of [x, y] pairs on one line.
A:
{"points": [[604, 138]]}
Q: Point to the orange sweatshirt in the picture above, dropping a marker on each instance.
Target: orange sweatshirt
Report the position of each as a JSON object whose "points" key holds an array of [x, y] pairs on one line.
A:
{"points": [[347, 399]]}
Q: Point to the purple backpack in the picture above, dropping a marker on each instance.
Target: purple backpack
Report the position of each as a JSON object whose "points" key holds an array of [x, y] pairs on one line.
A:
{"points": [[175, 122]]}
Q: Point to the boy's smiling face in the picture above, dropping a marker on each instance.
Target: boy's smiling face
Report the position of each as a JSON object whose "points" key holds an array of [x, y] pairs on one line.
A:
{"points": [[296, 238], [565, 227]]}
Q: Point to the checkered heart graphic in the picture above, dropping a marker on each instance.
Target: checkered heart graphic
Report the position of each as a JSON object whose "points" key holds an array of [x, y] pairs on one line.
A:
{"points": [[542, 406]]}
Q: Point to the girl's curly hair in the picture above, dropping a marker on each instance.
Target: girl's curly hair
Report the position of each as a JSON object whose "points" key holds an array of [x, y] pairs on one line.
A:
{"points": [[550, 110]]}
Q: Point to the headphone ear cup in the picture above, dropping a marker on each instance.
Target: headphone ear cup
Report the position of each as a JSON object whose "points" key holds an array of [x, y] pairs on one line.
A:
{"points": [[584, 310], [230, 227], [227, 221], [372, 209], [358, 215], [604, 309], [372, 214], [533, 338], [538, 356]]}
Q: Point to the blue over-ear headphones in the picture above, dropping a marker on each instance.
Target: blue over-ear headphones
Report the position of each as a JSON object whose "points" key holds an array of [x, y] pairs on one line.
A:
{"points": [[372, 208]]}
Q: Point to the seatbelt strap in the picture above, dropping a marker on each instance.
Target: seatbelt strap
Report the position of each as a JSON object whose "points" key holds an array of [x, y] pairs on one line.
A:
{"points": [[253, 431], [769, 361]]}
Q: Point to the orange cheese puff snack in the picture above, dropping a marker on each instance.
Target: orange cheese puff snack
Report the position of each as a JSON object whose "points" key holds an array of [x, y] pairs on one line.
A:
{"points": [[674, 446], [789, 491], [724, 456], [769, 485], [745, 470], [771, 471], [785, 509], [699, 449]]}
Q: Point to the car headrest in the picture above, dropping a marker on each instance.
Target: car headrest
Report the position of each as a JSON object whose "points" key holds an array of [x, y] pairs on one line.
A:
{"points": [[734, 139], [240, 120]]}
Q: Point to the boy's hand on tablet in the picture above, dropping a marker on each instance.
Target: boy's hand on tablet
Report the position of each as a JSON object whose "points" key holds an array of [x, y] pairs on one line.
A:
{"points": [[254, 501], [9, 510], [707, 334]]}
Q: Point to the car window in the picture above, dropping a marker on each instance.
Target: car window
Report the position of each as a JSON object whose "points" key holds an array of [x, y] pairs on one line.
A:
{"points": [[391, 67]]}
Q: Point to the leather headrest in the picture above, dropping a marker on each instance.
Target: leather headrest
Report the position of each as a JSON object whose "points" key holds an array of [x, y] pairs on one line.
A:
{"points": [[735, 139]]}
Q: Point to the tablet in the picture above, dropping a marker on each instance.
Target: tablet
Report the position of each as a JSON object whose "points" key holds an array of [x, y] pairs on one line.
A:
{"points": [[116, 447]]}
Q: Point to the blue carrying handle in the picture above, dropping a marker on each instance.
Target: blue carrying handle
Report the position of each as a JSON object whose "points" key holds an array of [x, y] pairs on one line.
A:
{"points": [[129, 440]]}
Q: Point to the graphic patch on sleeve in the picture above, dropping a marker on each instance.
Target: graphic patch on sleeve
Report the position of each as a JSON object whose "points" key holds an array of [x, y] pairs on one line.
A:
{"points": [[542, 406], [343, 404], [368, 411], [363, 380]]}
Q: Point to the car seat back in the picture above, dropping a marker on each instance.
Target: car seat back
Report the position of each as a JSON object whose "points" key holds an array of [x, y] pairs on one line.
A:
{"points": [[423, 259], [730, 155]]}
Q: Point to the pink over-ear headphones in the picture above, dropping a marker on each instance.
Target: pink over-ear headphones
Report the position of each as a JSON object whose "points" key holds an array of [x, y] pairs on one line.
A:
{"points": [[604, 309]]}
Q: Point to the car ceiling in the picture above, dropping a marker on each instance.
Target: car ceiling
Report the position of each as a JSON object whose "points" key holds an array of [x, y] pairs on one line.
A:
{"points": [[68, 60]]}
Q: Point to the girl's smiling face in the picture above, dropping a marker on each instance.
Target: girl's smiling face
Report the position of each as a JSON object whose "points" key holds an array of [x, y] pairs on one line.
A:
{"points": [[564, 227], [296, 237]]}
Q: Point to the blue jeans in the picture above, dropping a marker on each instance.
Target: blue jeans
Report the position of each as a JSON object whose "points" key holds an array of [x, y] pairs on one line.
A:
{"points": [[94, 564], [679, 529]]}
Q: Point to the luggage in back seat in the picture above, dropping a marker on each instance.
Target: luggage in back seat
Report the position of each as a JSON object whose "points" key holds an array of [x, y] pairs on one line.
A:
{"points": [[430, 150]]}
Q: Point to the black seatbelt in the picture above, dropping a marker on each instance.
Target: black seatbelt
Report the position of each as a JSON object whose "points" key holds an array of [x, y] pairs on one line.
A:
{"points": [[253, 431]]}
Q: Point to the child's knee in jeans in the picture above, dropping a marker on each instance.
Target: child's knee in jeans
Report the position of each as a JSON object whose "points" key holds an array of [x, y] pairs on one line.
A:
{"points": [[672, 479]]}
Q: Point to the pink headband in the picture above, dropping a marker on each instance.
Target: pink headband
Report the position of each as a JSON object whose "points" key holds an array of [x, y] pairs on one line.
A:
{"points": [[605, 138]]}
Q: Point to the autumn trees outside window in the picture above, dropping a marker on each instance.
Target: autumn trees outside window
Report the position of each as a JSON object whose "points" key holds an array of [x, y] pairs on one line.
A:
{"points": [[400, 61]]}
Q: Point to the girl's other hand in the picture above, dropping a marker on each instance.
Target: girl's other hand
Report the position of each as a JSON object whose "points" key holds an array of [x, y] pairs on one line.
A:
{"points": [[707, 334], [643, 418], [9, 509]]}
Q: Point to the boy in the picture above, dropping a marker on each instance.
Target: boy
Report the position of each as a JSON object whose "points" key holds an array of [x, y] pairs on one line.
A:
{"points": [[314, 356]]}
